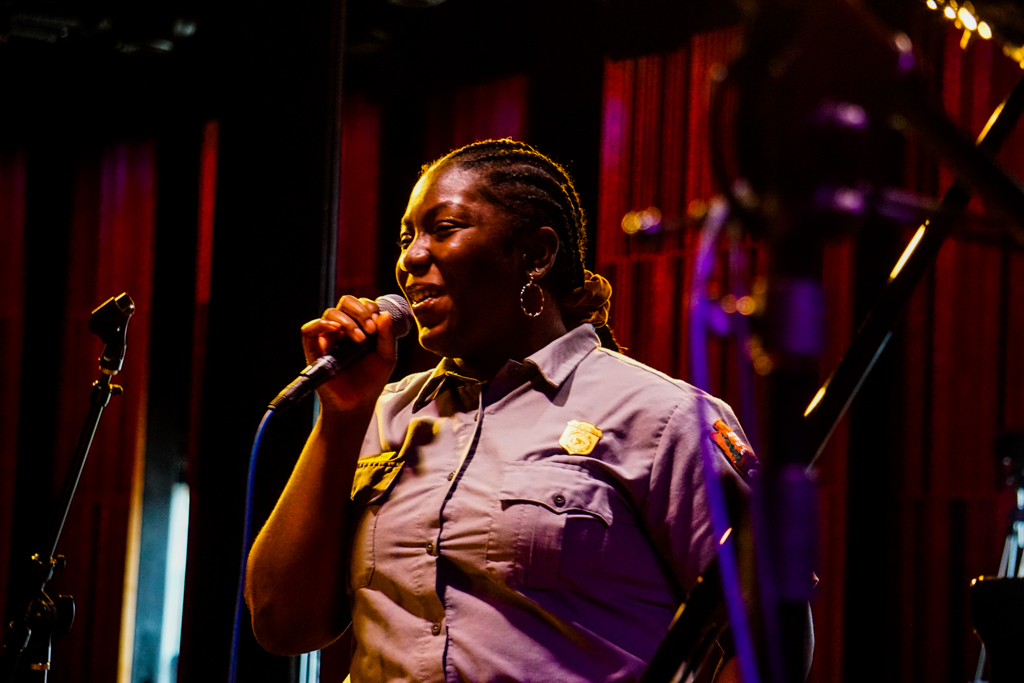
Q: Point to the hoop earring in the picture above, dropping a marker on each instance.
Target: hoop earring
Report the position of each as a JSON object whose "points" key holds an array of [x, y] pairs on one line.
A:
{"points": [[522, 296]]}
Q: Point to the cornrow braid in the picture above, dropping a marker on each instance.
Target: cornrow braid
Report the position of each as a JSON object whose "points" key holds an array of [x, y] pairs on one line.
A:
{"points": [[536, 191]]}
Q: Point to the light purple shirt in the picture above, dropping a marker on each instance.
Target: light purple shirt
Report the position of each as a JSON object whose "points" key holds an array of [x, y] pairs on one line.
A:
{"points": [[483, 550]]}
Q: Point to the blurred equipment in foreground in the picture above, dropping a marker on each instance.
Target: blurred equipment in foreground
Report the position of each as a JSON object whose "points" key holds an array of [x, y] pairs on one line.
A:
{"points": [[821, 85]]}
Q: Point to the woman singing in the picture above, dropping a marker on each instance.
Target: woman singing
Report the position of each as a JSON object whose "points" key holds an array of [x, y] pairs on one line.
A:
{"points": [[532, 509]]}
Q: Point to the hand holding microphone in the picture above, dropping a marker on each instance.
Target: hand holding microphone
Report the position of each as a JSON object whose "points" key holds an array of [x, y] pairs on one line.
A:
{"points": [[338, 340]]}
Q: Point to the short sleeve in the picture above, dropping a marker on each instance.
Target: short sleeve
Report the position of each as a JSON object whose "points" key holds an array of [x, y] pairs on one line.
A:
{"points": [[676, 509]]}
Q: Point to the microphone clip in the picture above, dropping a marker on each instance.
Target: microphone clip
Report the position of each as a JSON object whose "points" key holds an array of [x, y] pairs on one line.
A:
{"points": [[109, 322]]}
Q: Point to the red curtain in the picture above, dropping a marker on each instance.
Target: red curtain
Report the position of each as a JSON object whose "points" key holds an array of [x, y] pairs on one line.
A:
{"points": [[357, 221], [12, 317], [654, 153], [111, 251], [494, 109], [204, 275], [838, 277], [963, 383]]}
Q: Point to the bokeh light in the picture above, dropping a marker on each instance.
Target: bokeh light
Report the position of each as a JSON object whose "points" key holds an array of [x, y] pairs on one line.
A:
{"points": [[647, 221]]}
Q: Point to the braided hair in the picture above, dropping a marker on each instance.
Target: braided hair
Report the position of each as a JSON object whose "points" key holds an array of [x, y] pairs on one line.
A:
{"points": [[535, 191]]}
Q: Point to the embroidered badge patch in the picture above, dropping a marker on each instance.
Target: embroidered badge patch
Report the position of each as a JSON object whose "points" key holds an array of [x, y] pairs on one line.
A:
{"points": [[579, 438], [736, 452]]}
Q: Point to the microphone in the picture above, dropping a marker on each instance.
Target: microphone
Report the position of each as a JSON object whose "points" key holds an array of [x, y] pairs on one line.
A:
{"points": [[345, 353]]}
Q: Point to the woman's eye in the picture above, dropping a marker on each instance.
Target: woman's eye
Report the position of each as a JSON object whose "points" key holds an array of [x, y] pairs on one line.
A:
{"points": [[404, 241]]}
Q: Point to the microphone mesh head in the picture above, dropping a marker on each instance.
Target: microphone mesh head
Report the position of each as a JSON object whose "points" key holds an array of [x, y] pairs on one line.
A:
{"points": [[397, 307]]}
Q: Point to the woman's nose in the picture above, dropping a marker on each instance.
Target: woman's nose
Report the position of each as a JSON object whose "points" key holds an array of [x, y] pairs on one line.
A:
{"points": [[416, 257]]}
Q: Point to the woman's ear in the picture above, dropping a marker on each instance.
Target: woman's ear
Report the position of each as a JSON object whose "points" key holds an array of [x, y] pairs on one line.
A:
{"points": [[540, 249]]}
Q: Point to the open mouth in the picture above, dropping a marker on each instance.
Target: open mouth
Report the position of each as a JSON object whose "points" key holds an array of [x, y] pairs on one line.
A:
{"points": [[422, 294]]}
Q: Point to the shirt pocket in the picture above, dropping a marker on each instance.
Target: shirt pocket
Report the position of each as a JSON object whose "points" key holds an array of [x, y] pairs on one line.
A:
{"points": [[375, 476], [524, 545]]}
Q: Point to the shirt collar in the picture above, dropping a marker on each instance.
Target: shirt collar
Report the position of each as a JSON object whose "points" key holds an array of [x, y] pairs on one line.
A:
{"points": [[559, 359], [445, 372], [555, 362]]}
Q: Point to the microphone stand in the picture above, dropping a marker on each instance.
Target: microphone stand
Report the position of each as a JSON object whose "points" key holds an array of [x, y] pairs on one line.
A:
{"points": [[37, 618]]}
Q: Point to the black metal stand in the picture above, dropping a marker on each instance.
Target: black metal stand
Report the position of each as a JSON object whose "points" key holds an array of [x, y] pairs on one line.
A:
{"points": [[39, 618]]}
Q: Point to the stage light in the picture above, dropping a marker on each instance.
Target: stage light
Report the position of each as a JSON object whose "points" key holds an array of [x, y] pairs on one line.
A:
{"points": [[697, 209], [966, 17], [761, 361], [650, 220], [631, 223], [969, 22], [849, 200], [184, 28]]}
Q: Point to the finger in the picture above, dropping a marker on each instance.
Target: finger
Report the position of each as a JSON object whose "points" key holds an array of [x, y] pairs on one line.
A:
{"points": [[387, 343], [361, 311], [348, 325], [318, 336], [373, 306]]}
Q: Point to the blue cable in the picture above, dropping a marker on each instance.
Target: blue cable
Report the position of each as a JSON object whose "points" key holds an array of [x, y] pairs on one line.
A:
{"points": [[246, 533]]}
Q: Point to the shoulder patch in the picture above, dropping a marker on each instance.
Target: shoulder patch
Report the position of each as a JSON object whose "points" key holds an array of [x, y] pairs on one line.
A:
{"points": [[739, 455]]}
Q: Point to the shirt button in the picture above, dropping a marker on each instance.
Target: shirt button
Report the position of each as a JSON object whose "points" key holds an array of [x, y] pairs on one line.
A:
{"points": [[436, 628], [430, 547], [559, 500], [451, 475]]}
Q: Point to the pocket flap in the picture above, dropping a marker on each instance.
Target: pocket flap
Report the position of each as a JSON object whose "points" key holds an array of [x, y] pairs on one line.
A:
{"points": [[558, 487], [374, 476]]}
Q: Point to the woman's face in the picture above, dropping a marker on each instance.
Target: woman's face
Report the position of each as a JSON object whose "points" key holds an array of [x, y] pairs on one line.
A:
{"points": [[460, 268]]}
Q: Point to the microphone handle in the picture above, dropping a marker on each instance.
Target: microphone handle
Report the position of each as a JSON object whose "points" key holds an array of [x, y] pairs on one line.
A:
{"points": [[345, 353]]}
